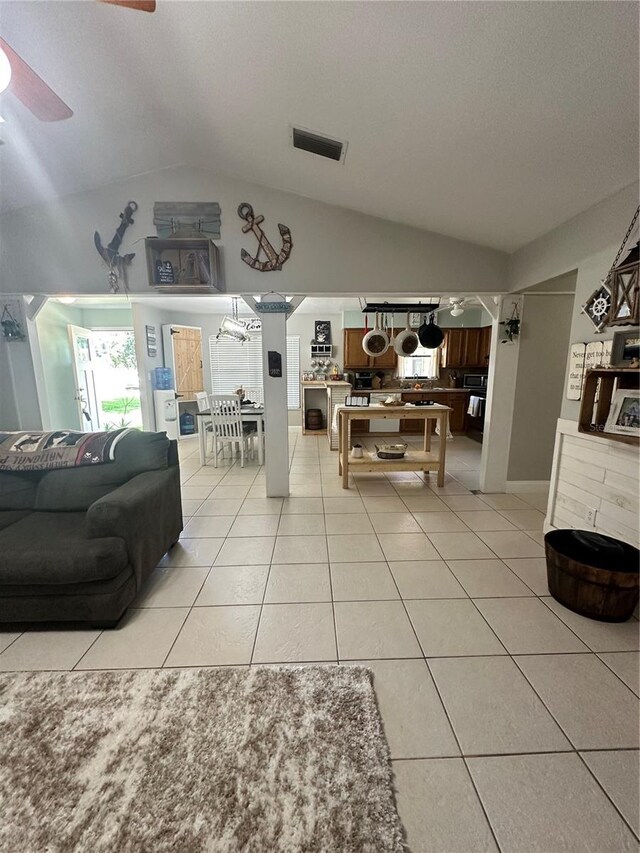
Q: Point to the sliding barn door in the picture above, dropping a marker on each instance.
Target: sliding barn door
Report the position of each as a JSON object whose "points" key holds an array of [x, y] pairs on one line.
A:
{"points": [[185, 344]]}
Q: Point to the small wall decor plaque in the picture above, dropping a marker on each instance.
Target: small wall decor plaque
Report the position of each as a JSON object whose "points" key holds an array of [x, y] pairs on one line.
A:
{"points": [[12, 321], [164, 273], [577, 354], [187, 219], [323, 331], [152, 347]]}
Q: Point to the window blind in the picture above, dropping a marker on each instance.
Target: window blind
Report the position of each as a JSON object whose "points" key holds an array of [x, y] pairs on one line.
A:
{"points": [[234, 364]]}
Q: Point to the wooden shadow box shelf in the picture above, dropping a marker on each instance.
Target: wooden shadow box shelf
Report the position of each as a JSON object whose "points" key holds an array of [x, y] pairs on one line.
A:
{"points": [[597, 393]]}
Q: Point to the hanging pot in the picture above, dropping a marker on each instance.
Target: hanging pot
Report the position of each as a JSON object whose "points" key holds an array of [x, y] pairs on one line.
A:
{"points": [[375, 342], [431, 336], [406, 343], [422, 328]]}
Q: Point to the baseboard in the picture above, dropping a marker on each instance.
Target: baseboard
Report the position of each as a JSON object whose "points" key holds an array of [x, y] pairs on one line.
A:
{"points": [[527, 485]]}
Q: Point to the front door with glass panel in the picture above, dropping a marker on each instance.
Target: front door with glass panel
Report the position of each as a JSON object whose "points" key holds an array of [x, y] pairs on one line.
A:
{"points": [[85, 385]]}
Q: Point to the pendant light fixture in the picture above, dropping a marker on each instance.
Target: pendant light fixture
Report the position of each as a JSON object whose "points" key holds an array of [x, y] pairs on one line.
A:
{"points": [[232, 327]]}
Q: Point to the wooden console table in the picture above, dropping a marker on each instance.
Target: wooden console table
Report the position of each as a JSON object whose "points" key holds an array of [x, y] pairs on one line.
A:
{"points": [[413, 460]]}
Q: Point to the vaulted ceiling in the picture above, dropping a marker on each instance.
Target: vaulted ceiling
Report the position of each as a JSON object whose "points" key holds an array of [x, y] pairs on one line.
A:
{"points": [[492, 122]]}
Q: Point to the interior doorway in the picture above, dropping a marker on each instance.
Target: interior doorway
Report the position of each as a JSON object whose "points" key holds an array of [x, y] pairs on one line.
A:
{"points": [[86, 367], [106, 378]]}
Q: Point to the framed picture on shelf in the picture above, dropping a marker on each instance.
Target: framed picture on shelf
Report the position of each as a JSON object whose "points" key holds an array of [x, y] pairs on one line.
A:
{"points": [[624, 414], [626, 347]]}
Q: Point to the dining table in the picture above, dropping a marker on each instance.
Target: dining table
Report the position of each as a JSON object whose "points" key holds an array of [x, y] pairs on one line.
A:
{"points": [[251, 413]]}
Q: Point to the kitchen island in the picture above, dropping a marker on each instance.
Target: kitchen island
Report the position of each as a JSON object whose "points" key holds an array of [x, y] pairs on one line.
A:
{"points": [[413, 460]]}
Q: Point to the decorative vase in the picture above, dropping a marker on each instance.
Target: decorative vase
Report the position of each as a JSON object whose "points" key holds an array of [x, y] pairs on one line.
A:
{"points": [[356, 451]]}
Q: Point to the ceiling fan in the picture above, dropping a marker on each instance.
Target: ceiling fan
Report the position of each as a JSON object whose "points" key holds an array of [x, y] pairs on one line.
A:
{"points": [[23, 82], [455, 306]]}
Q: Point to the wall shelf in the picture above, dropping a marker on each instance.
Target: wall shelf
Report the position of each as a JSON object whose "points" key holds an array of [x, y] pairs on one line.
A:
{"points": [[597, 392], [183, 265], [321, 350]]}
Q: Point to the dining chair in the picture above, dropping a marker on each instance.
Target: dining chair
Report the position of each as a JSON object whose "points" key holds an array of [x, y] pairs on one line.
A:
{"points": [[227, 426], [202, 401], [255, 395]]}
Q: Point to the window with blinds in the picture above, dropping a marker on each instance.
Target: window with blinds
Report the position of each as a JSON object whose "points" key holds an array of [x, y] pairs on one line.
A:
{"points": [[234, 364]]}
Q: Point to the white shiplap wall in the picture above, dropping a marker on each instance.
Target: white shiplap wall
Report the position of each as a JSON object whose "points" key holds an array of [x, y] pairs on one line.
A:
{"points": [[594, 473]]}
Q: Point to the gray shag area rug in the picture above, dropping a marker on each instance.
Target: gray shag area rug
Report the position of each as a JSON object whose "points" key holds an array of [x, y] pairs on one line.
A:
{"points": [[265, 759]]}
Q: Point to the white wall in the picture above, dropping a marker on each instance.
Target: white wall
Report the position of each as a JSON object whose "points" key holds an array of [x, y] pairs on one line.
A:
{"points": [[334, 250], [144, 314], [22, 408], [598, 229], [8, 412], [55, 362], [587, 472], [539, 388], [587, 244]]}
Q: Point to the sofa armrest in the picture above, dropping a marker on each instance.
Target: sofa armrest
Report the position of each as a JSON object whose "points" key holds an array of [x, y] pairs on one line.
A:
{"points": [[146, 512]]}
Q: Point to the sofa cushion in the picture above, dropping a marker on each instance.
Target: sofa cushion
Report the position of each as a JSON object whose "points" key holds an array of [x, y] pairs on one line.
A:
{"points": [[10, 516], [75, 489], [18, 491], [52, 548]]}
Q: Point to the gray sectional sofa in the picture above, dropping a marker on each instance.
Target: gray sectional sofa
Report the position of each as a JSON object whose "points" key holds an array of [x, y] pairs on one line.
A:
{"points": [[76, 544]]}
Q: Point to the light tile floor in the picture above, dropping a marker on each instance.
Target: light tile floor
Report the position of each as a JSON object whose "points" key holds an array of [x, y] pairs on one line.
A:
{"points": [[512, 722]]}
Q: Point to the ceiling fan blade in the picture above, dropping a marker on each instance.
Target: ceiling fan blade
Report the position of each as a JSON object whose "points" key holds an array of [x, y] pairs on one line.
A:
{"points": [[139, 5], [32, 90]]}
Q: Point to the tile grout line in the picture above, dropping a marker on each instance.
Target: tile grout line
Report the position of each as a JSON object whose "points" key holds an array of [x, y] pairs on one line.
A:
{"points": [[333, 603], [509, 655], [224, 539], [575, 749], [604, 791]]}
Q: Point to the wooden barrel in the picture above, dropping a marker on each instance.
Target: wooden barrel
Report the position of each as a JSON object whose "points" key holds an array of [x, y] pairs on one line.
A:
{"points": [[314, 418], [592, 574]]}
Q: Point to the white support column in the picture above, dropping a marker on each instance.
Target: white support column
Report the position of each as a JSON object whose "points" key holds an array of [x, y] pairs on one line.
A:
{"points": [[498, 419], [274, 339]]}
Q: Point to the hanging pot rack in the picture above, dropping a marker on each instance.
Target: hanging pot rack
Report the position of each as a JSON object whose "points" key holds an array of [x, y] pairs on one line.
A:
{"points": [[399, 307]]}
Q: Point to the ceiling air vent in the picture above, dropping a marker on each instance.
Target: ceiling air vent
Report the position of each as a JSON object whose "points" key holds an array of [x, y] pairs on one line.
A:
{"points": [[315, 143]]}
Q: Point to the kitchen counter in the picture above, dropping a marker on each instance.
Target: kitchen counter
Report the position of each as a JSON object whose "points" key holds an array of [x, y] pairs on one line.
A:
{"points": [[325, 383], [395, 389]]}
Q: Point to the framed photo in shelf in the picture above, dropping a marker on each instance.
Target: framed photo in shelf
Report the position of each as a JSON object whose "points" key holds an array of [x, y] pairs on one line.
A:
{"points": [[624, 414], [626, 347]]}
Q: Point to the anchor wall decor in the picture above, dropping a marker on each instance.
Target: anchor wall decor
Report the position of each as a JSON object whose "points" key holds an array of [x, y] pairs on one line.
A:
{"points": [[117, 263], [273, 260]]}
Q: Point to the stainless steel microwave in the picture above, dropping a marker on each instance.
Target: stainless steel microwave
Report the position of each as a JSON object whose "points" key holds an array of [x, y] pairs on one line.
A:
{"points": [[474, 380]]}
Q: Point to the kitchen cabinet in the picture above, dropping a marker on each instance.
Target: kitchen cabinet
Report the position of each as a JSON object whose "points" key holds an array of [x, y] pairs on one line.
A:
{"points": [[466, 347], [355, 358], [459, 404], [411, 427], [458, 401], [485, 344]]}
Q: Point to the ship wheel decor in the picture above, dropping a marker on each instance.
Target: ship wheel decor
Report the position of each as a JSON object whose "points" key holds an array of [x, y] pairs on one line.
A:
{"points": [[597, 307]]}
